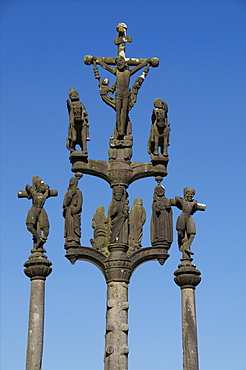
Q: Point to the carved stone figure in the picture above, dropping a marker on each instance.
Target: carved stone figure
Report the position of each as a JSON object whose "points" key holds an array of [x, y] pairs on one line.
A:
{"points": [[105, 90], [161, 229], [99, 224], [160, 129], [137, 219], [122, 95], [78, 130], [185, 225], [119, 214], [136, 86], [37, 220], [72, 207]]}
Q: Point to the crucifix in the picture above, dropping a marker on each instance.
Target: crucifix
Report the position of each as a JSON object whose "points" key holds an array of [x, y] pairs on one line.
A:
{"points": [[116, 247], [123, 74]]}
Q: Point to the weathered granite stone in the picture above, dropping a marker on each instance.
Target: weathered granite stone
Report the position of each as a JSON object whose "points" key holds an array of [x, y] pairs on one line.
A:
{"points": [[78, 129], [72, 208], [37, 220], [161, 229], [116, 345], [137, 219], [185, 225], [160, 130]]}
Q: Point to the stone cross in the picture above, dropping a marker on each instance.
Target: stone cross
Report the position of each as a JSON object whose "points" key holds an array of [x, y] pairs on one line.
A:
{"points": [[123, 75], [24, 194], [120, 41]]}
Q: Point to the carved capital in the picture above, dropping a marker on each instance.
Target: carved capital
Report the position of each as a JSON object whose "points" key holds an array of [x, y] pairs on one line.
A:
{"points": [[37, 266], [118, 264], [187, 276]]}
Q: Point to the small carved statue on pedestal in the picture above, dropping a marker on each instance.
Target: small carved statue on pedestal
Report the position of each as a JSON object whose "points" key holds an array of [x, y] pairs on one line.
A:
{"points": [[119, 216], [161, 229], [37, 220], [160, 130], [78, 130], [185, 225], [72, 208], [137, 219]]}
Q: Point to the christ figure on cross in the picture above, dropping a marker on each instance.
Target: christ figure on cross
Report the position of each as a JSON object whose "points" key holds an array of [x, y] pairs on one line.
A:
{"points": [[122, 95]]}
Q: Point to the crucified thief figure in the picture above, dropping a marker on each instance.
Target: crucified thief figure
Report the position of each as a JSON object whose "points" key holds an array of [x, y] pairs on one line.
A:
{"points": [[185, 225]]}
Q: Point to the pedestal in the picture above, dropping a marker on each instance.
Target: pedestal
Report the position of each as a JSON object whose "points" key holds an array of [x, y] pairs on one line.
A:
{"points": [[187, 277], [37, 269]]}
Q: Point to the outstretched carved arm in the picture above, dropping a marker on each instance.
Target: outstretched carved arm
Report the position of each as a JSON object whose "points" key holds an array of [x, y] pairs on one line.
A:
{"points": [[104, 65], [140, 66]]}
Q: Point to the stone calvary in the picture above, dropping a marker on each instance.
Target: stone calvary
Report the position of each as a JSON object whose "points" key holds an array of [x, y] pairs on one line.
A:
{"points": [[116, 247]]}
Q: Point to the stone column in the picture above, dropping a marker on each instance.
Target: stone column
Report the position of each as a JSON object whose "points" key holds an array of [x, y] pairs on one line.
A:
{"points": [[187, 277], [116, 343], [117, 271], [37, 269]]}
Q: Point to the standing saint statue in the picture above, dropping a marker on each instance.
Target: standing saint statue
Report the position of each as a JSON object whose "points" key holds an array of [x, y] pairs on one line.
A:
{"points": [[185, 225], [37, 220], [72, 207], [137, 219], [78, 130], [119, 216], [99, 224], [161, 229]]}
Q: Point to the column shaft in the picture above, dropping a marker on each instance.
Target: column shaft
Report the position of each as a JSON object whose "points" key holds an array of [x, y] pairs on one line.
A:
{"points": [[189, 330], [116, 346], [36, 325]]}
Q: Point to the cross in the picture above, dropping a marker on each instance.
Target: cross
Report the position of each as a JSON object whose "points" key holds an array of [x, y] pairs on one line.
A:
{"points": [[24, 194], [121, 41], [123, 75]]}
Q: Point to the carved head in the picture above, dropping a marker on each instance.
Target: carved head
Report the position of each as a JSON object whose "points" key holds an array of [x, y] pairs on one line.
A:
{"points": [[73, 95], [160, 190], [73, 182], [158, 103], [121, 28], [105, 82], [138, 201], [189, 193], [120, 62], [118, 192], [38, 184]]}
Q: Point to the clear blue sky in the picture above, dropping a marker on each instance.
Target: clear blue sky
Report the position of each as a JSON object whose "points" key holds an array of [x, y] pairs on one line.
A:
{"points": [[201, 47]]}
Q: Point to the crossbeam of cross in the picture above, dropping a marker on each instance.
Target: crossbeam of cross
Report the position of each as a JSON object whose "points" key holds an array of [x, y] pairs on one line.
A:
{"points": [[121, 41]]}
